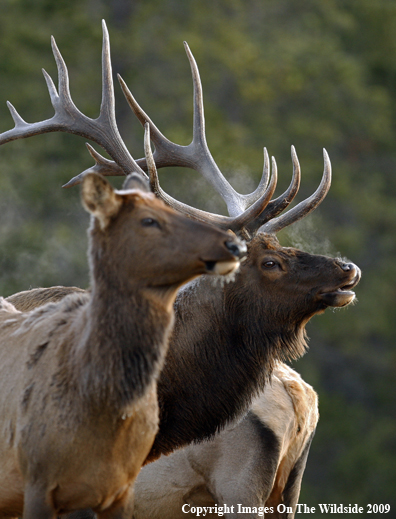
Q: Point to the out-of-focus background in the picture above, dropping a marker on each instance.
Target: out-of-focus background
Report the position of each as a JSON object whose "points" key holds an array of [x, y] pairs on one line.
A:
{"points": [[275, 73]]}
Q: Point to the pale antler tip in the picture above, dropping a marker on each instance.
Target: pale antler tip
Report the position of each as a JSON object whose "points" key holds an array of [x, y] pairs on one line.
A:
{"points": [[266, 156], [296, 163], [147, 146], [53, 43], [104, 27], [15, 115], [74, 181], [187, 49], [11, 108], [123, 85], [147, 130], [92, 152], [327, 161]]}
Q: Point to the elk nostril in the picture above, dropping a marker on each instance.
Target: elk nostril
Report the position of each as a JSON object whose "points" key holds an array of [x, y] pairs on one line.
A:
{"points": [[347, 266], [235, 249]]}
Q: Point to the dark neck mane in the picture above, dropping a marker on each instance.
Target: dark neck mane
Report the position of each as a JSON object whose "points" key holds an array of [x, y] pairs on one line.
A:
{"points": [[209, 378]]}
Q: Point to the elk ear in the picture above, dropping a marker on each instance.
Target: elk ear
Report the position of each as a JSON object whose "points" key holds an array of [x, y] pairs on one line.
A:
{"points": [[136, 181], [99, 198]]}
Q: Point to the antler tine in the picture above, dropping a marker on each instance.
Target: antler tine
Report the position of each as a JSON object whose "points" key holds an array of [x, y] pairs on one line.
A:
{"points": [[152, 169], [102, 165], [196, 155], [278, 205], [68, 118], [304, 207], [255, 210], [199, 139], [239, 223], [164, 148]]}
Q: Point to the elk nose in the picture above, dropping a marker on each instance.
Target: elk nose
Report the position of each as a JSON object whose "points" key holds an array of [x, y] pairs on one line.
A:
{"points": [[236, 249], [347, 267]]}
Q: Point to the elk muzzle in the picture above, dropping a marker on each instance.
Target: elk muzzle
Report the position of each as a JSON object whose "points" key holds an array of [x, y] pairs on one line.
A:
{"points": [[236, 251], [342, 294]]}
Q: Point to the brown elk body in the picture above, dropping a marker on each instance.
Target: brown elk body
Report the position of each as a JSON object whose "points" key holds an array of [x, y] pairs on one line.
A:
{"points": [[78, 398], [253, 462]]}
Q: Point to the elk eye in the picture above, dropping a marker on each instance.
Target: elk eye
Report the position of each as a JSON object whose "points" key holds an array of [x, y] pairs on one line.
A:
{"points": [[150, 222], [269, 264]]}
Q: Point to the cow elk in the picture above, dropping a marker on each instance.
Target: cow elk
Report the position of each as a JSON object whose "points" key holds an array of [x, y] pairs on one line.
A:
{"points": [[227, 337], [252, 463], [78, 400]]}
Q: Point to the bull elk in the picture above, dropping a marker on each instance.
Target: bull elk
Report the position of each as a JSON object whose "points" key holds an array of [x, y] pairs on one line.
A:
{"points": [[227, 338], [252, 462], [78, 401]]}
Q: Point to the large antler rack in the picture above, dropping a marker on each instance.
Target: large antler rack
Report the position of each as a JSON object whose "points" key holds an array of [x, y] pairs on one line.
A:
{"points": [[68, 118], [239, 224], [249, 214]]}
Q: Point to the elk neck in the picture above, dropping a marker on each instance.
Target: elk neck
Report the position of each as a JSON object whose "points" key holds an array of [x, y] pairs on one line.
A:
{"points": [[221, 355], [126, 335]]}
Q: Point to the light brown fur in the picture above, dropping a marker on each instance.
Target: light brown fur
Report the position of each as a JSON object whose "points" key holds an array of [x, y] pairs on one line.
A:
{"points": [[78, 377], [24, 302]]}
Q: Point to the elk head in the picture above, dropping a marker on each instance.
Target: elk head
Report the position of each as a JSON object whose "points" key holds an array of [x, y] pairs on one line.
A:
{"points": [[281, 288], [128, 222]]}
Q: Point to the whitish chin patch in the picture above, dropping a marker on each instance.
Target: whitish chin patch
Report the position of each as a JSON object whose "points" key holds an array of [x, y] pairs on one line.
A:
{"points": [[223, 268]]}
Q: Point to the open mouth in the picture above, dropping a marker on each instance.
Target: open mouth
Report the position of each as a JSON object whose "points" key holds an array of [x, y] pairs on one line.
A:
{"points": [[343, 295], [349, 286]]}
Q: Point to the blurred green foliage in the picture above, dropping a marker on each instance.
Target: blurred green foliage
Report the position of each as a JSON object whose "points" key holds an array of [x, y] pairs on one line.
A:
{"points": [[275, 73]]}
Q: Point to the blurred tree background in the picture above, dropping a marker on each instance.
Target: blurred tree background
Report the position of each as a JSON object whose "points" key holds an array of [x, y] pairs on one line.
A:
{"points": [[275, 73]]}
